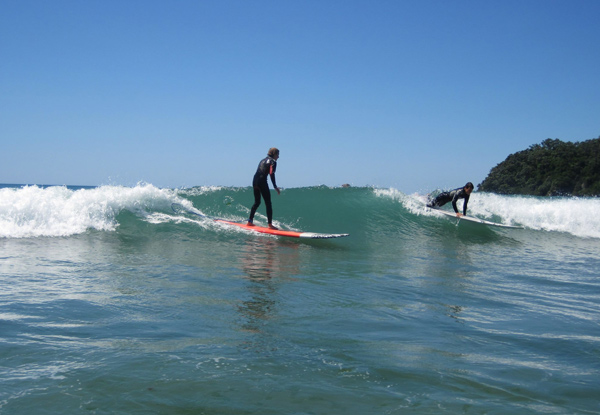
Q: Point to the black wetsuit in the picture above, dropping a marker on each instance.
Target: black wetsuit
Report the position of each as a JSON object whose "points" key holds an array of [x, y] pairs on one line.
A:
{"points": [[451, 196], [266, 168]]}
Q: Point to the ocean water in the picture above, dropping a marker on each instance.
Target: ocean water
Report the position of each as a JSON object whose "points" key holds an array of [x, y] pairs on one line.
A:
{"points": [[112, 303]]}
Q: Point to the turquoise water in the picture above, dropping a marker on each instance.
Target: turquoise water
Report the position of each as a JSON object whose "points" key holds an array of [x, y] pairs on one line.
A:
{"points": [[112, 303]]}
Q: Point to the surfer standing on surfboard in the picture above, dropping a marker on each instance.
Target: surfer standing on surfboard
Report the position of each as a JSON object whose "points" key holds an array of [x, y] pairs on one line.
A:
{"points": [[453, 196], [266, 168]]}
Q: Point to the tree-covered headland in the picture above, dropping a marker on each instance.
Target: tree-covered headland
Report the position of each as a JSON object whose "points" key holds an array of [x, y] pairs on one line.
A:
{"points": [[552, 168]]}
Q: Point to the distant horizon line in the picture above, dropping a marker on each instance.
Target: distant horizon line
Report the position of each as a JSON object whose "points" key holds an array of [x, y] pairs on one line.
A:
{"points": [[345, 185]]}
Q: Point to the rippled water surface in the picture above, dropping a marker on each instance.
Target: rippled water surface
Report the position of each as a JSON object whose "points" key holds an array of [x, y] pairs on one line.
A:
{"points": [[113, 303]]}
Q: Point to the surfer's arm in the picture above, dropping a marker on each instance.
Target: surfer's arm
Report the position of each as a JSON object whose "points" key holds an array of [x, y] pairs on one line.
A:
{"points": [[459, 194], [272, 175], [274, 183], [454, 205], [465, 204]]}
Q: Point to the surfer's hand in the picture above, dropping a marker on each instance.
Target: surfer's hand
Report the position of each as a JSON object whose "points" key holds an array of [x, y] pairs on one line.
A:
{"points": [[278, 191], [458, 214]]}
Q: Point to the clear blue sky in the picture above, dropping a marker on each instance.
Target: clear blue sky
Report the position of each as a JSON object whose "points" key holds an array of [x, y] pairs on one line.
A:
{"points": [[413, 95]]}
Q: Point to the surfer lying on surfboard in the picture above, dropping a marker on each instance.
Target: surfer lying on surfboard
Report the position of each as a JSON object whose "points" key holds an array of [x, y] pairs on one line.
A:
{"points": [[452, 196], [266, 168]]}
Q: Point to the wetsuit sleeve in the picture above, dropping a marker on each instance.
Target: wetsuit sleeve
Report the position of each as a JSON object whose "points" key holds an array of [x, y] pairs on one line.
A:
{"points": [[272, 169], [454, 199], [465, 204]]}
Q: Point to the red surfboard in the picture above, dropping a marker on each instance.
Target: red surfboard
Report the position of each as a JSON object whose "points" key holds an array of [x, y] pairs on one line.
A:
{"points": [[178, 208], [279, 232]]}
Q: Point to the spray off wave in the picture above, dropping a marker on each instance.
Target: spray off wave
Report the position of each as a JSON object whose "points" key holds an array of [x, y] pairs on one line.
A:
{"points": [[33, 211], [576, 216]]}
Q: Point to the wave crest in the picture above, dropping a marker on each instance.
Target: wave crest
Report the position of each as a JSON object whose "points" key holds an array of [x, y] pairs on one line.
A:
{"points": [[33, 211]]}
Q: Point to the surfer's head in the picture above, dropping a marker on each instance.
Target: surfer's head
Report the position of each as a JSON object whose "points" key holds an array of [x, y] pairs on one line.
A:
{"points": [[273, 152], [469, 187]]}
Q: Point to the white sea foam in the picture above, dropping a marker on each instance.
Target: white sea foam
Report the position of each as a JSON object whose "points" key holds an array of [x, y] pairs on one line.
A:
{"points": [[33, 211], [577, 216], [200, 190]]}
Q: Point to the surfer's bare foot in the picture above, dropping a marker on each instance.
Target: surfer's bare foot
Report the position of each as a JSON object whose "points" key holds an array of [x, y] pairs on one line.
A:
{"points": [[249, 224], [273, 227]]}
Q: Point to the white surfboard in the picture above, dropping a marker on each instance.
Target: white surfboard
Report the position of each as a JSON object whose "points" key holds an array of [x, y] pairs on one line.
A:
{"points": [[476, 220]]}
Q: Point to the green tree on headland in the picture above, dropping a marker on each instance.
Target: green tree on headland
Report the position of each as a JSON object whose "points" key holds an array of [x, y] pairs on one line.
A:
{"points": [[551, 168]]}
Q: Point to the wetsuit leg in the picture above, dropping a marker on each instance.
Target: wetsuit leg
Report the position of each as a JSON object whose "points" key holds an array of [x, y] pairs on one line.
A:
{"points": [[266, 194], [256, 203], [262, 189], [440, 200]]}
